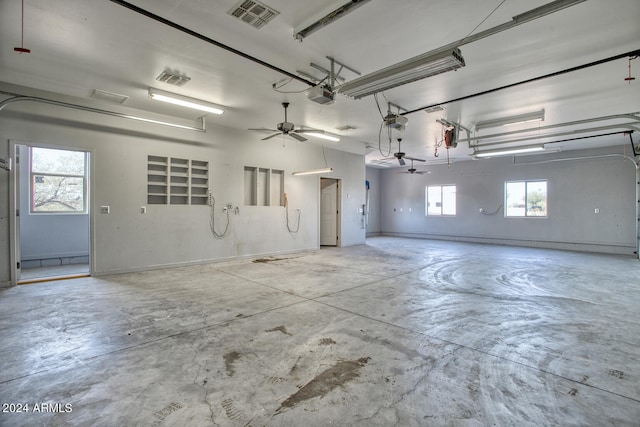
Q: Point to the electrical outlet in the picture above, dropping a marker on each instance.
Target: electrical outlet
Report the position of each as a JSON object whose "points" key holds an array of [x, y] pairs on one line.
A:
{"points": [[210, 199], [105, 209]]}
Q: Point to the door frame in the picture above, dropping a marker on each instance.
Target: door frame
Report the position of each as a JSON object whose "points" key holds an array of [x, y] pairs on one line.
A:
{"points": [[338, 204], [14, 202]]}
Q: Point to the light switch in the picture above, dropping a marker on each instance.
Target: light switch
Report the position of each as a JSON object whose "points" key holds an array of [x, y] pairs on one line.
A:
{"points": [[105, 209]]}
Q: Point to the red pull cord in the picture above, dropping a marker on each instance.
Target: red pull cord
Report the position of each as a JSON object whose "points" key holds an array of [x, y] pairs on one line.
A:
{"points": [[22, 49]]}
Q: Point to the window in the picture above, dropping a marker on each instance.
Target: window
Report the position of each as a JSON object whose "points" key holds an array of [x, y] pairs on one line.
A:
{"points": [[525, 199], [58, 181], [441, 200]]}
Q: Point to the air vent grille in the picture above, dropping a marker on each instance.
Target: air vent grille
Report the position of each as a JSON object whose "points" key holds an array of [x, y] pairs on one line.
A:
{"points": [[103, 95], [173, 79], [253, 13]]}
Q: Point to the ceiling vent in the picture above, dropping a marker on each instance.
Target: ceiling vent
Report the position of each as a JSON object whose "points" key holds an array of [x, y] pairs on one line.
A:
{"points": [[103, 95], [173, 78], [253, 13]]}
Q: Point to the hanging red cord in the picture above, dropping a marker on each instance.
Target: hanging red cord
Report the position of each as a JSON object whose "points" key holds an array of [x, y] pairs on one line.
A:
{"points": [[628, 79], [22, 49]]}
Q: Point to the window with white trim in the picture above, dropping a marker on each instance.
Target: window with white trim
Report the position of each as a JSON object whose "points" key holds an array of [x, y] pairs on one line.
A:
{"points": [[525, 199], [440, 200], [58, 181]]}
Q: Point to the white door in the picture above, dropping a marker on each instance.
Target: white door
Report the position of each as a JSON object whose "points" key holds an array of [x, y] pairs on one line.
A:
{"points": [[329, 211]]}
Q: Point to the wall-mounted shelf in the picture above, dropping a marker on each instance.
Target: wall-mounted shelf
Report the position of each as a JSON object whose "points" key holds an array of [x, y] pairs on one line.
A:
{"points": [[176, 181]]}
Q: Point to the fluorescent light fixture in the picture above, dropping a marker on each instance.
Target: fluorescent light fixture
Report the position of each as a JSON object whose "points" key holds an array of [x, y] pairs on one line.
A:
{"points": [[416, 68], [323, 136], [184, 101], [313, 171], [327, 19], [536, 116], [509, 151]]}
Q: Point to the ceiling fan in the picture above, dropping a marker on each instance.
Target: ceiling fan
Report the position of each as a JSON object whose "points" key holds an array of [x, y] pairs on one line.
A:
{"points": [[413, 170], [287, 128], [401, 156]]}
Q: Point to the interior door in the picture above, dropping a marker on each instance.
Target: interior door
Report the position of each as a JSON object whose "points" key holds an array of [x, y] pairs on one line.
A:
{"points": [[329, 212]]}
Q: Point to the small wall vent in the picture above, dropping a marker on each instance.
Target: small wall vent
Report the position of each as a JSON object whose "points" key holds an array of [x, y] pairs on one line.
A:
{"points": [[253, 13]]}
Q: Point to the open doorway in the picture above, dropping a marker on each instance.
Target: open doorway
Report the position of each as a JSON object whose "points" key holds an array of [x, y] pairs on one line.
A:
{"points": [[52, 222], [330, 212]]}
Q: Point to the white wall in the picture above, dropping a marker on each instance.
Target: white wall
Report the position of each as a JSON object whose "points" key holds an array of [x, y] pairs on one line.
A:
{"points": [[127, 240], [575, 189]]}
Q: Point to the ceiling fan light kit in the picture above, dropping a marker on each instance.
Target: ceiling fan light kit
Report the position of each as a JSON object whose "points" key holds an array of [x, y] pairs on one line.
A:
{"points": [[184, 101]]}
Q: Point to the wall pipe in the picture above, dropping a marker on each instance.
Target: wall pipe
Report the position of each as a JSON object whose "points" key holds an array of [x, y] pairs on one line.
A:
{"points": [[18, 98]]}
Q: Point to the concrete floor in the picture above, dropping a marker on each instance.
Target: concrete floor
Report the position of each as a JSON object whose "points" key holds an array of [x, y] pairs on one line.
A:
{"points": [[398, 332]]}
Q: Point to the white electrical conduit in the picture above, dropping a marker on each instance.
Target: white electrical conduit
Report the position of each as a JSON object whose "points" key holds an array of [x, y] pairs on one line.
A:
{"points": [[631, 116], [627, 126], [18, 98]]}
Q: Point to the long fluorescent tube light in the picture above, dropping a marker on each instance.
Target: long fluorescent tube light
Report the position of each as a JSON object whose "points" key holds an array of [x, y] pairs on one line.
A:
{"points": [[184, 101], [536, 116], [313, 171], [323, 136], [416, 68], [508, 151]]}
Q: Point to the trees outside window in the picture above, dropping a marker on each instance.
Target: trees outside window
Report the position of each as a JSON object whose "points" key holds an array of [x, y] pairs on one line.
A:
{"points": [[58, 181]]}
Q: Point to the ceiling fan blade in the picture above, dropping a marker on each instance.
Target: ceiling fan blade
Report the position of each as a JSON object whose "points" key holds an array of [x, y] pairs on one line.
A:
{"points": [[296, 136], [271, 136], [263, 130], [414, 158], [401, 161]]}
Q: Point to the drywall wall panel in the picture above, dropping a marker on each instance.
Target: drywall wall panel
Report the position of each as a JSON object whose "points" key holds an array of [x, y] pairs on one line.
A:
{"points": [[576, 188], [128, 240]]}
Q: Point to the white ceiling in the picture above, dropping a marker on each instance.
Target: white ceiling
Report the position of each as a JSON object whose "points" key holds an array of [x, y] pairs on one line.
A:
{"points": [[81, 45]]}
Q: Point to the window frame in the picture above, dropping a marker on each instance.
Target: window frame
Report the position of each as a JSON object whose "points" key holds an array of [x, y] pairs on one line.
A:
{"points": [[526, 198], [441, 214], [84, 177]]}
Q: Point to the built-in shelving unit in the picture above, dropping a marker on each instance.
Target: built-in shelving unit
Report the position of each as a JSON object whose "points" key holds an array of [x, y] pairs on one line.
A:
{"points": [[263, 186], [199, 182], [157, 180], [176, 181]]}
